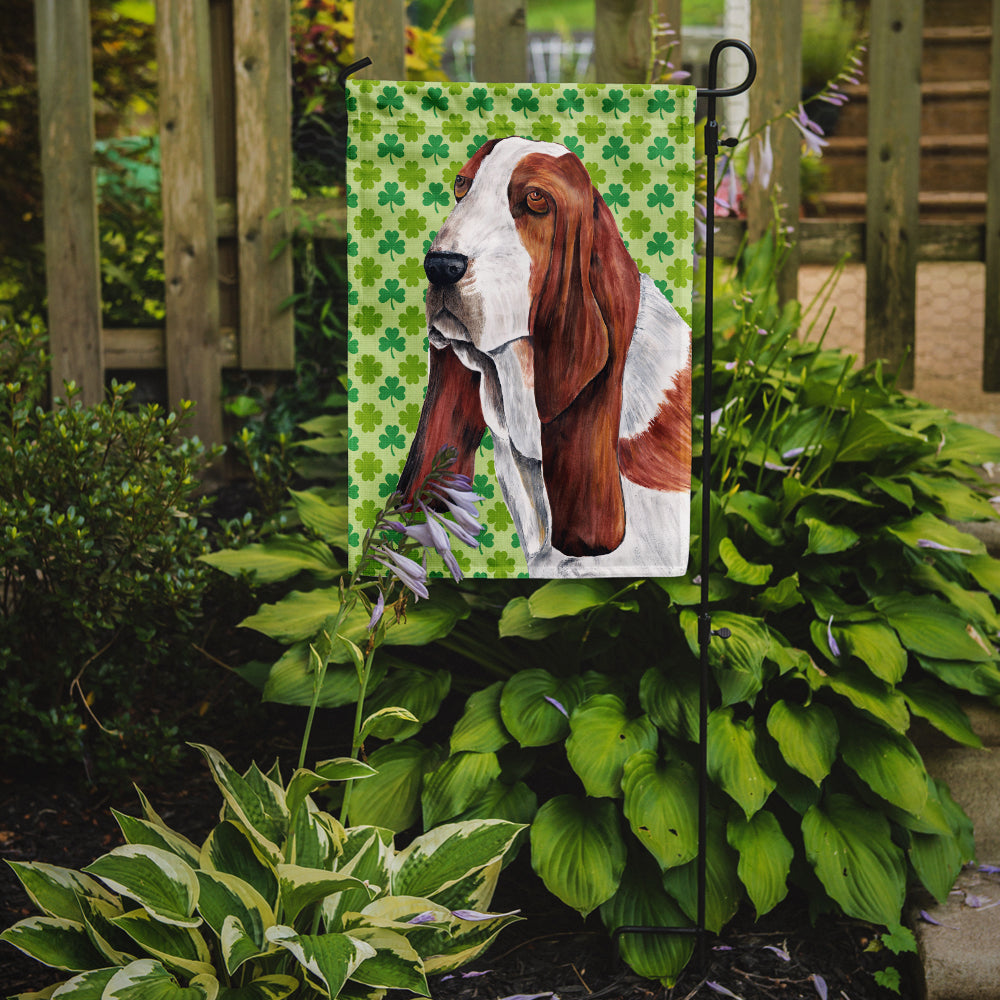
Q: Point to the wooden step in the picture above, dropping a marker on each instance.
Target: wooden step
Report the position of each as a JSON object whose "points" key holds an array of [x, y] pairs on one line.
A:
{"points": [[940, 13], [956, 53], [946, 106], [957, 206]]}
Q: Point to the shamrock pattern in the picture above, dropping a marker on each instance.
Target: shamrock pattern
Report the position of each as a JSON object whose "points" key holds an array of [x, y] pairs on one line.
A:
{"points": [[406, 143]]}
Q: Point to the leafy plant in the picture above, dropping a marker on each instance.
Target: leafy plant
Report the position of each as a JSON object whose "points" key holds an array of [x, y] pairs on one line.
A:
{"points": [[101, 587], [280, 899]]}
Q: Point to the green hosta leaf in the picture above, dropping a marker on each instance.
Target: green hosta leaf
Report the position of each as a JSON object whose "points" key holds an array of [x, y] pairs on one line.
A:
{"points": [[941, 709], [481, 728], [671, 700], [367, 853], [443, 856], [260, 809], [827, 539], [602, 738], [964, 443], [758, 511], [391, 798], [578, 851], [932, 628], [230, 849], [876, 646], [976, 605], [986, 571], [528, 710], [98, 916], [723, 889], [738, 661], [292, 680], [456, 784], [385, 723], [641, 901], [928, 528], [516, 803], [275, 987], [850, 848], [976, 678], [301, 887], [732, 760], [869, 436], [888, 763], [937, 858], [807, 736], [559, 598], [330, 959], [147, 979], [56, 891], [239, 944], [417, 690], [517, 620], [225, 897], [661, 798], [279, 558], [752, 574], [159, 881], [765, 858], [141, 831], [327, 520], [54, 941], [395, 964], [864, 692], [958, 502], [683, 592], [783, 595], [180, 948]]}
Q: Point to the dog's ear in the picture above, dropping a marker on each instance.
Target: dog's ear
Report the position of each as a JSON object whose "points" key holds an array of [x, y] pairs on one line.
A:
{"points": [[580, 442], [452, 415]]}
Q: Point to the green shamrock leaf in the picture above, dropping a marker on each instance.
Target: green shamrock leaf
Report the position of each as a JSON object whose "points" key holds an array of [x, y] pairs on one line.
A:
{"points": [[390, 100], [391, 341], [391, 244], [660, 245], [391, 438], [391, 195], [392, 293], [367, 175], [388, 486], [368, 416], [616, 149], [368, 369], [591, 128], [367, 466], [636, 176], [435, 147], [368, 271], [391, 390], [499, 516], [524, 102], [412, 271], [434, 101], [412, 223], [545, 128], [367, 222], [680, 225], [366, 126], [617, 196], [413, 369], [680, 272], [479, 101], [409, 418], [569, 102], [473, 147], [456, 128], [390, 147], [368, 320], [636, 224], [412, 174], [661, 103], [501, 126], [681, 176], [636, 129], [436, 195], [681, 130], [573, 144], [411, 126], [615, 101], [501, 564], [482, 486], [661, 149], [660, 197], [598, 175], [411, 320]]}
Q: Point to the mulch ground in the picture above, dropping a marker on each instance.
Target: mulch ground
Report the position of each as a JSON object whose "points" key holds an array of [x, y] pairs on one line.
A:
{"points": [[551, 952]]}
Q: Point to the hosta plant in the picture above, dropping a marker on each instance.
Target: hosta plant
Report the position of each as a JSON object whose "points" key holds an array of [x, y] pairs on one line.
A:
{"points": [[279, 900]]}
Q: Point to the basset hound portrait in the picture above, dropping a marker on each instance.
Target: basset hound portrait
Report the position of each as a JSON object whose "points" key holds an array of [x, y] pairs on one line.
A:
{"points": [[543, 330]]}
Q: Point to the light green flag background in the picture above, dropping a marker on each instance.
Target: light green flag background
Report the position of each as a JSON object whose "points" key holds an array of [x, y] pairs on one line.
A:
{"points": [[407, 141]]}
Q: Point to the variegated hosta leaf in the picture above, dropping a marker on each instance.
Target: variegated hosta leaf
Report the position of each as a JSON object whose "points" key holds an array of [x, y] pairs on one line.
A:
{"points": [[54, 941], [160, 882], [602, 737], [230, 849], [661, 799], [141, 831], [56, 891], [642, 902], [225, 897], [256, 801], [807, 736], [395, 964], [765, 858], [468, 939], [367, 853], [304, 782], [578, 851], [732, 760], [441, 857], [481, 728], [116, 946], [177, 947], [301, 887], [86, 986], [329, 959], [275, 987], [149, 980], [238, 944], [315, 838], [850, 847], [475, 891]]}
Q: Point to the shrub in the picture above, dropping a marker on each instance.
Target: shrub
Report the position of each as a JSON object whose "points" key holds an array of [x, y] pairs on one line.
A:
{"points": [[99, 539], [280, 899]]}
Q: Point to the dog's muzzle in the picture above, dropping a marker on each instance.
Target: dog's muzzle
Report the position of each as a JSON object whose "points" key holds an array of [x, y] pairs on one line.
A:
{"points": [[444, 267]]}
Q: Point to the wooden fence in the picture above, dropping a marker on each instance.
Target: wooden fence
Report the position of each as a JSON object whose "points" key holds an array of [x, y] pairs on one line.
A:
{"points": [[226, 161]]}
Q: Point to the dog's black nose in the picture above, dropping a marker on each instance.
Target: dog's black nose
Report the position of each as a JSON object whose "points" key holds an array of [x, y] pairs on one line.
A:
{"points": [[445, 268]]}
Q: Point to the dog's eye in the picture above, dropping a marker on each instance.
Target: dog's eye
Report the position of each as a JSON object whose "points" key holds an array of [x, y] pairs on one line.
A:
{"points": [[462, 185], [536, 202]]}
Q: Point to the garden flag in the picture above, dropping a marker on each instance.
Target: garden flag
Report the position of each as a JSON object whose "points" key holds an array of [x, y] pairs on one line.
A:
{"points": [[520, 261]]}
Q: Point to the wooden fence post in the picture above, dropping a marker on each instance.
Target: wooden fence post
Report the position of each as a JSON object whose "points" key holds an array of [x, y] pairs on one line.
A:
{"points": [[622, 40], [991, 333], [190, 251], [776, 35], [501, 41], [380, 34], [72, 255], [893, 183], [262, 61]]}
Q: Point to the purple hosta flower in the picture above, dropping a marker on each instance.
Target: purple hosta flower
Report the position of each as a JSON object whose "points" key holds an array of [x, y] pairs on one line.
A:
{"points": [[455, 492], [927, 918], [377, 611], [760, 166], [780, 952], [427, 917], [811, 132], [531, 996], [989, 869], [431, 535], [465, 975], [409, 572], [475, 915], [834, 648], [558, 705], [928, 543], [727, 197], [719, 988], [820, 984]]}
